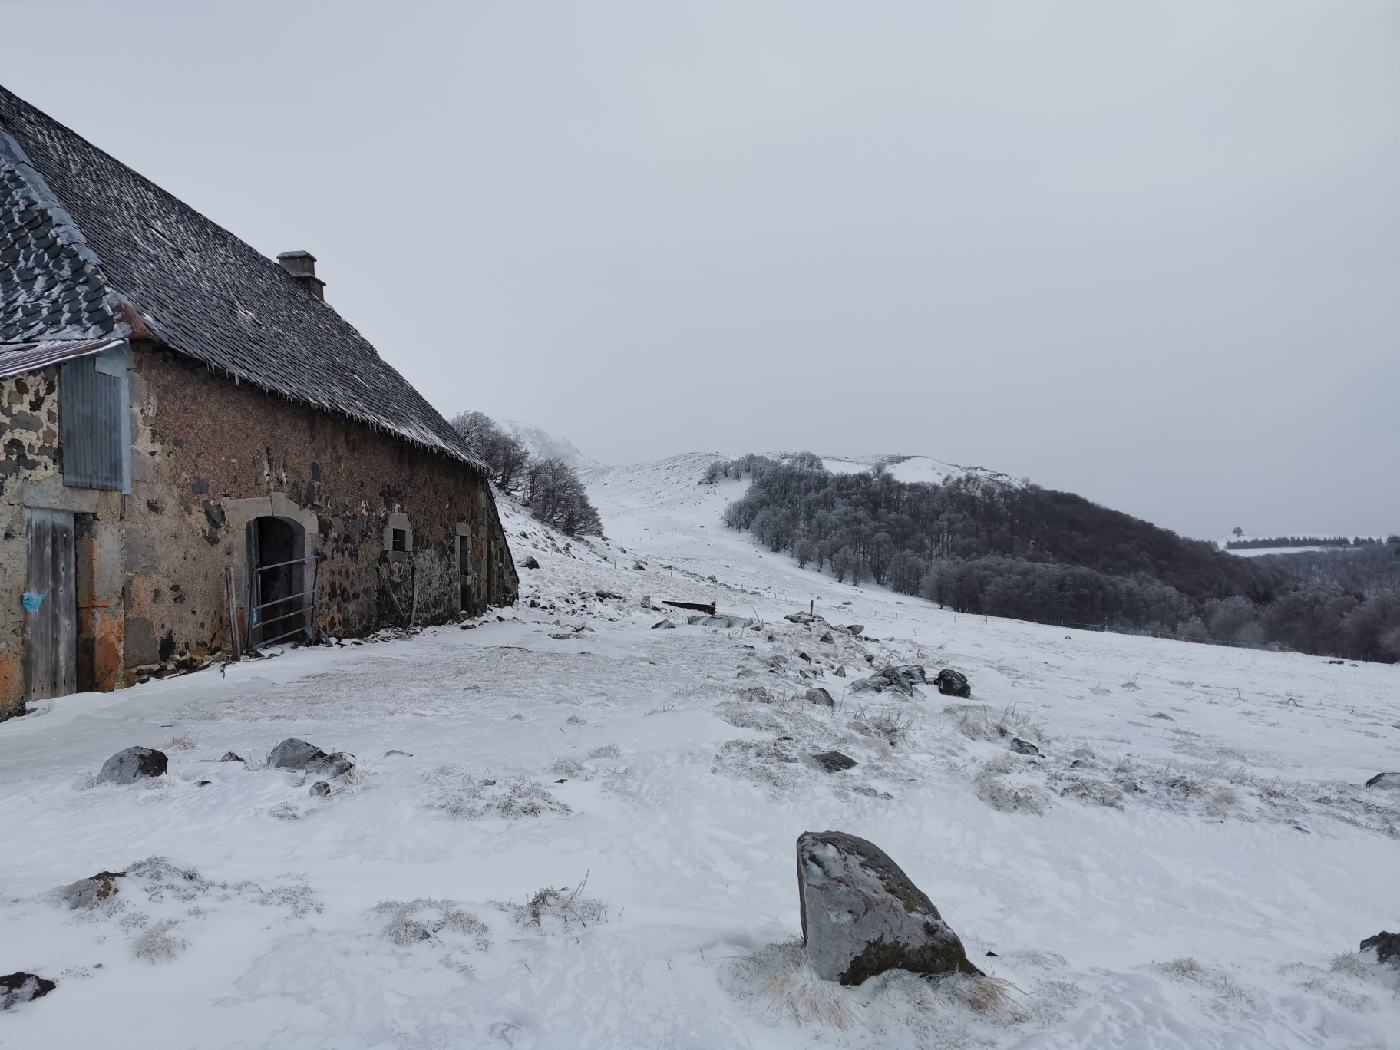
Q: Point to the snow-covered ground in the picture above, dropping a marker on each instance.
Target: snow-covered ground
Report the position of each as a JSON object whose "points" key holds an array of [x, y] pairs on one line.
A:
{"points": [[911, 469], [1190, 864]]}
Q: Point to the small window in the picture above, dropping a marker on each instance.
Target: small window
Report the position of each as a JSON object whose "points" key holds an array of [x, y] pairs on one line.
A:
{"points": [[400, 541]]}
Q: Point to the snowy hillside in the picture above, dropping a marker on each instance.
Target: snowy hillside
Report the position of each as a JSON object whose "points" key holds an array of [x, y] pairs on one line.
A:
{"points": [[911, 469], [541, 444], [570, 828]]}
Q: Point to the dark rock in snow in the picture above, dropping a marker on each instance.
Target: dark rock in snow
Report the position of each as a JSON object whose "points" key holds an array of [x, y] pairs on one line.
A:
{"points": [[1385, 781], [833, 761], [818, 695], [803, 618], [133, 764], [299, 755], [1386, 946], [663, 625], [901, 679], [723, 620], [1023, 747], [320, 789], [952, 683], [20, 987], [826, 637], [531, 562], [396, 752], [88, 892], [229, 756], [856, 628], [861, 915]]}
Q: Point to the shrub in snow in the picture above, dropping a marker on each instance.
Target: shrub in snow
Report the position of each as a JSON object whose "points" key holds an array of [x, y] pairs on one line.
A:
{"points": [[412, 922], [1000, 791], [158, 944], [862, 915], [133, 764], [551, 910], [465, 796]]}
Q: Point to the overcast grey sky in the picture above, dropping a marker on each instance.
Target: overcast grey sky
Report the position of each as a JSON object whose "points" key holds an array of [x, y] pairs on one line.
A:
{"points": [[1145, 252]]}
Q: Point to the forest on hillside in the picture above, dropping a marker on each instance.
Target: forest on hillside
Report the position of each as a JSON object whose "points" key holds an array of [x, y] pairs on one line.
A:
{"points": [[985, 546]]}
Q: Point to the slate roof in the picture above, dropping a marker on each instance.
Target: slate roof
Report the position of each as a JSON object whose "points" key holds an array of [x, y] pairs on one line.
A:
{"points": [[91, 249]]}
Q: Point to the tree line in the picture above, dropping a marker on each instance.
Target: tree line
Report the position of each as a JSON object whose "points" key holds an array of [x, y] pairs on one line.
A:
{"points": [[987, 546], [549, 487], [1263, 542]]}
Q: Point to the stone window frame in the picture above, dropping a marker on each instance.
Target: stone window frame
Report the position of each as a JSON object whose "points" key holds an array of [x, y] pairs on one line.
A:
{"points": [[398, 523]]}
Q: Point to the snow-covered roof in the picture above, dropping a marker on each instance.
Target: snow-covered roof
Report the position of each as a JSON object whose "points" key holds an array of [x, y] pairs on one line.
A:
{"points": [[91, 249]]}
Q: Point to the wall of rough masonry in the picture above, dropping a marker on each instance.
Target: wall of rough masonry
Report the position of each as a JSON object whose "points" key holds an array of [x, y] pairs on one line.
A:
{"points": [[207, 456], [28, 456]]}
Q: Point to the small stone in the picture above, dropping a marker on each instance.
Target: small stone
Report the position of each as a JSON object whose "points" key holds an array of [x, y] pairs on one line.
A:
{"points": [[826, 637], [1023, 747], [404, 754], [856, 629], [88, 892], [320, 789], [952, 683], [531, 562], [229, 756], [862, 915], [20, 987], [833, 761], [663, 625], [1385, 781], [133, 764], [820, 696]]}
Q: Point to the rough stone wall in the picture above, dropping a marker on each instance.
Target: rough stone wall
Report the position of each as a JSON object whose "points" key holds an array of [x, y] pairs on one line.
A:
{"points": [[207, 455], [203, 446], [28, 455]]}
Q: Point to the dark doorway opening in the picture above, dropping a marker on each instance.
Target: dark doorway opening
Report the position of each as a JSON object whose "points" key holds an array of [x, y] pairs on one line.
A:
{"points": [[464, 572], [279, 600]]}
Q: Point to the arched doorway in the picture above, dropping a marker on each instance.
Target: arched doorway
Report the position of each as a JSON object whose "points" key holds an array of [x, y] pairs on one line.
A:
{"points": [[279, 584]]}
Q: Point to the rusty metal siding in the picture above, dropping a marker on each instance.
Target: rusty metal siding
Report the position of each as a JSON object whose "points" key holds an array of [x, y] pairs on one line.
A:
{"points": [[95, 423]]}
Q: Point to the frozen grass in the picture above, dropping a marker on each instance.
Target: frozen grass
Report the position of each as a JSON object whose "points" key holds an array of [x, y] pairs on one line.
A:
{"points": [[407, 923], [464, 795], [562, 910], [158, 944]]}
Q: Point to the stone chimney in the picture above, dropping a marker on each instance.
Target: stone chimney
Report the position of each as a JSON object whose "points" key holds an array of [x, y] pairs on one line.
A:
{"points": [[302, 266]]}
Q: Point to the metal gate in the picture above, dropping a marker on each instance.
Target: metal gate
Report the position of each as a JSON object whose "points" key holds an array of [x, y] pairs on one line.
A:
{"points": [[50, 607], [282, 618]]}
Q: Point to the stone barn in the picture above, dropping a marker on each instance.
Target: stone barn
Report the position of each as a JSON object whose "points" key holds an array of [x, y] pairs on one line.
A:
{"points": [[197, 453]]}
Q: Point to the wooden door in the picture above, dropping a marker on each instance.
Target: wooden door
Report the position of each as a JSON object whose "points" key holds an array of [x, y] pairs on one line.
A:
{"points": [[50, 606]]}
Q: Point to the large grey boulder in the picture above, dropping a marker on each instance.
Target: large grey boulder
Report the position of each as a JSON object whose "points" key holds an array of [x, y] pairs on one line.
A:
{"points": [[1385, 781], [133, 764], [861, 915], [91, 891], [299, 755]]}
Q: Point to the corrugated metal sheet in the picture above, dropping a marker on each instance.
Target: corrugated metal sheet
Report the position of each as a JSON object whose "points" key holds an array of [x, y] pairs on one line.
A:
{"points": [[18, 358], [94, 422]]}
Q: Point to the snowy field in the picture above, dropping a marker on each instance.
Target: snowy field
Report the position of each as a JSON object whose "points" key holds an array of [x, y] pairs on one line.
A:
{"points": [[567, 829]]}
